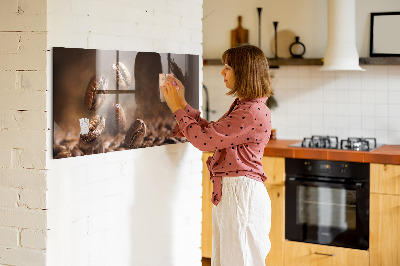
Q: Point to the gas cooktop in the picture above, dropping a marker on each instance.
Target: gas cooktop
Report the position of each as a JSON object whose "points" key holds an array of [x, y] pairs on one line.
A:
{"points": [[332, 142]]}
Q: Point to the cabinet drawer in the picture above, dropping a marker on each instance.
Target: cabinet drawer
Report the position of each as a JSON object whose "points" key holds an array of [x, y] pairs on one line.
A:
{"points": [[305, 254]]}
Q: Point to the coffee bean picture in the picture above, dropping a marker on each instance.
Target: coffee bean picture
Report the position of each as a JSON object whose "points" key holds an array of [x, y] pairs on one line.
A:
{"points": [[109, 100]]}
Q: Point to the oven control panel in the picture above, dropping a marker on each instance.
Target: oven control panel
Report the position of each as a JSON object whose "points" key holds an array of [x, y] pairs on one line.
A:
{"points": [[338, 169]]}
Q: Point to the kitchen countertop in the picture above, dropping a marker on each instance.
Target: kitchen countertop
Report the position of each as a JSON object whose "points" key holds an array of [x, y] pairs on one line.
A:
{"points": [[389, 154]]}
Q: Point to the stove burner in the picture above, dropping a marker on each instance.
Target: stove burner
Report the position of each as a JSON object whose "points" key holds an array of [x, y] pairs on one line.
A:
{"points": [[358, 144], [332, 142], [328, 142]]}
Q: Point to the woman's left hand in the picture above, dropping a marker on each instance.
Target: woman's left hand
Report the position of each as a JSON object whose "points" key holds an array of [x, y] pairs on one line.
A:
{"points": [[171, 95]]}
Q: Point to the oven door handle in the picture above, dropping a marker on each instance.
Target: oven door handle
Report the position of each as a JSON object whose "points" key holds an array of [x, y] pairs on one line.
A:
{"points": [[357, 185]]}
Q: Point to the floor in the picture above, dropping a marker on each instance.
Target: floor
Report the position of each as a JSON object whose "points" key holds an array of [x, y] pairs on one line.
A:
{"points": [[206, 261]]}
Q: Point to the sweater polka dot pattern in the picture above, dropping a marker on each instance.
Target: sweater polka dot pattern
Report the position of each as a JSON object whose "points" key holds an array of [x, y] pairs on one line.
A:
{"points": [[238, 138]]}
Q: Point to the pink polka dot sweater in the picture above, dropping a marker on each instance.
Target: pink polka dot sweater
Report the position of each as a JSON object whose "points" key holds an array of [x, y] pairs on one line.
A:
{"points": [[238, 139]]}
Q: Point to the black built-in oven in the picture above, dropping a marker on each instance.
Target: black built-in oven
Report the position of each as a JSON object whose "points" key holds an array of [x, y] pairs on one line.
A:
{"points": [[327, 202]]}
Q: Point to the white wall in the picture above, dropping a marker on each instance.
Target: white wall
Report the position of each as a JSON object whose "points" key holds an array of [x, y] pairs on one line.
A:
{"points": [[23, 132], [305, 18], [137, 207], [311, 102]]}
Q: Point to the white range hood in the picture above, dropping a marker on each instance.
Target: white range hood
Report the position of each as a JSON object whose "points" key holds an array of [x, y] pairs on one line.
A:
{"points": [[341, 51]]}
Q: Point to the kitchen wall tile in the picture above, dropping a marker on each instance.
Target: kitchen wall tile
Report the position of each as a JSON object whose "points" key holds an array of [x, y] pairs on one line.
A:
{"points": [[329, 93], [354, 80], [394, 97], [367, 96], [342, 96], [342, 109], [316, 82], [381, 123], [317, 95], [394, 110], [304, 72], [355, 132], [292, 83], [393, 71], [303, 82], [355, 96], [394, 137], [328, 74], [381, 136], [342, 133], [368, 110], [394, 82], [329, 122], [367, 82], [381, 97], [380, 71], [329, 109], [354, 122], [394, 123], [382, 110], [315, 72], [355, 109], [342, 80], [368, 122], [317, 108], [367, 133], [291, 71], [342, 122], [380, 84]]}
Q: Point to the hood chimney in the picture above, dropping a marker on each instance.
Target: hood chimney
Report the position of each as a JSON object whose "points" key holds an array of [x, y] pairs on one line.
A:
{"points": [[341, 51]]}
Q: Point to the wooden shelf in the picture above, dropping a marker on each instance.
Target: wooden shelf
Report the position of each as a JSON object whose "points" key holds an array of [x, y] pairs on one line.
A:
{"points": [[273, 63], [380, 61]]}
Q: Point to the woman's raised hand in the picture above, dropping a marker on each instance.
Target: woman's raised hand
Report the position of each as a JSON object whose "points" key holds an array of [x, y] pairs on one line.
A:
{"points": [[174, 94], [181, 90]]}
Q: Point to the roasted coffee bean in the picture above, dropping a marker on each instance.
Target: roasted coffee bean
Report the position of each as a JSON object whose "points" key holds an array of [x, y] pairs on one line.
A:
{"points": [[158, 141], [171, 140], [95, 92], [135, 134], [76, 152], [122, 75], [58, 148], [120, 149], [116, 119], [63, 154]]}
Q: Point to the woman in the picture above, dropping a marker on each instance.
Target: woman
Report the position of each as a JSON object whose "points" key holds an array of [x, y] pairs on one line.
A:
{"points": [[242, 208]]}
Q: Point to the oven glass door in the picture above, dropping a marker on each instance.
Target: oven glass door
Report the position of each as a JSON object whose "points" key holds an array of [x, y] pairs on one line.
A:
{"points": [[327, 213]]}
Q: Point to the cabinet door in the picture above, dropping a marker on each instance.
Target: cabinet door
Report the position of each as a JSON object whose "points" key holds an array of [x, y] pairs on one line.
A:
{"points": [[384, 229], [385, 178], [305, 254], [206, 232], [277, 233], [274, 168]]}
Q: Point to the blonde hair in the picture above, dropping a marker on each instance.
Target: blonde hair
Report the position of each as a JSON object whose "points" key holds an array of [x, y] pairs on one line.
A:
{"points": [[250, 66]]}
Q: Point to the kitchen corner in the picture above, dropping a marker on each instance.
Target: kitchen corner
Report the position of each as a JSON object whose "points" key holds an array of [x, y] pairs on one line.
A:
{"points": [[382, 192]]}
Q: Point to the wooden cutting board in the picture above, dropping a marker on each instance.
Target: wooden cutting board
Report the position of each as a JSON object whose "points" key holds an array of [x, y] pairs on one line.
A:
{"points": [[239, 35]]}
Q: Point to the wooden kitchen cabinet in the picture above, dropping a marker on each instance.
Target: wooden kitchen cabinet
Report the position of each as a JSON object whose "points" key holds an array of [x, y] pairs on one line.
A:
{"points": [[385, 178], [206, 232], [384, 236], [306, 254]]}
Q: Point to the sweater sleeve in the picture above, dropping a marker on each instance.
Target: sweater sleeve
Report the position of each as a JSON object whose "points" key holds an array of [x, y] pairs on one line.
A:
{"points": [[234, 129], [195, 114]]}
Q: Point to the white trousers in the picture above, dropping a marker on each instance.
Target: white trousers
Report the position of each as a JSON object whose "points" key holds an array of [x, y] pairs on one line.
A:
{"points": [[241, 223]]}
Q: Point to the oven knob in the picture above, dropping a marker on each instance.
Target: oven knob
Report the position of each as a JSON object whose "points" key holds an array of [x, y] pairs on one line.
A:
{"points": [[343, 168]]}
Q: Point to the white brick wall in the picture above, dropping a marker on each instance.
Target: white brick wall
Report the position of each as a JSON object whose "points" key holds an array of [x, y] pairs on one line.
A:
{"points": [[23, 132], [138, 207], [101, 216]]}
